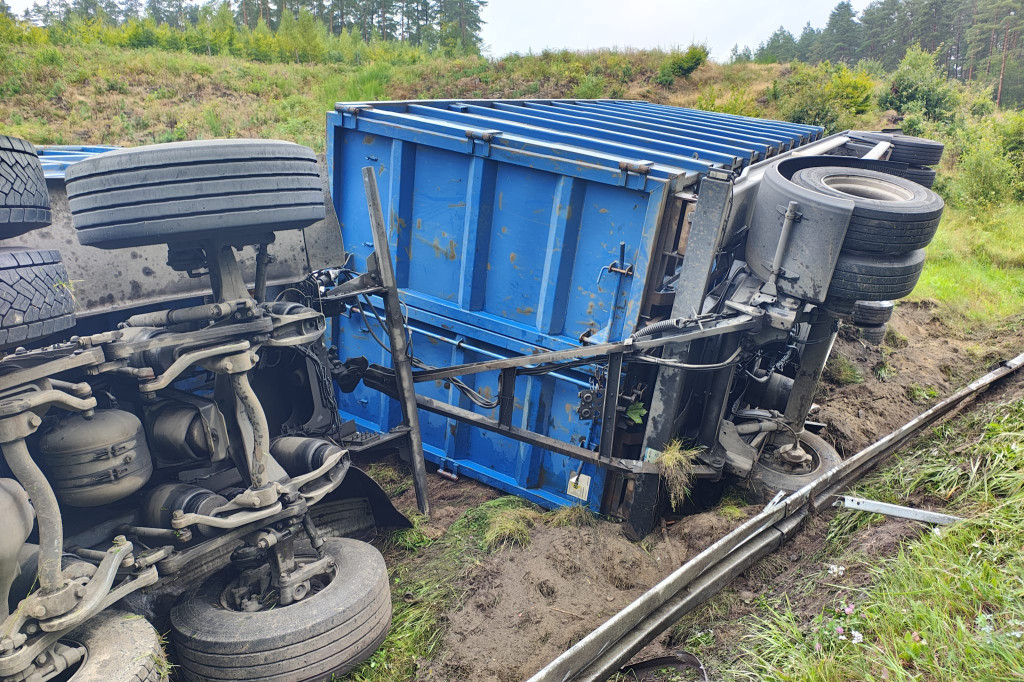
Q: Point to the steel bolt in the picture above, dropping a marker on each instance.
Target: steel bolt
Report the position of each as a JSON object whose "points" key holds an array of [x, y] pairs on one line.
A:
{"points": [[37, 611], [119, 540], [177, 514], [41, 659], [80, 591], [34, 420]]}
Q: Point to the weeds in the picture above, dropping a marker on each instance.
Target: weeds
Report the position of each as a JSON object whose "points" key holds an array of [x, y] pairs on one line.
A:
{"points": [[840, 371], [676, 463], [921, 394]]}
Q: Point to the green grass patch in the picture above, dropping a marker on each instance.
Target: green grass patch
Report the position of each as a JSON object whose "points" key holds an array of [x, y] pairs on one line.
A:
{"points": [[424, 587], [975, 265], [841, 371], [950, 606]]}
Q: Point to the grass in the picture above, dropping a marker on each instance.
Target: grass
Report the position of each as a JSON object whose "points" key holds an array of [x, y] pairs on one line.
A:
{"points": [[975, 265], [950, 606], [676, 463], [424, 588], [841, 371]]}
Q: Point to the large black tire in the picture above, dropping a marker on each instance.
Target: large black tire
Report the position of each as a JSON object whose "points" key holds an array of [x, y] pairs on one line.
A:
{"points": [[872, 313], [767, 477], [35, 296], [916, 151], [891, 214], [875, 276], [121, 647], [234, 191], [873, 335], [327, 633], [24, 201], [922, 176]]}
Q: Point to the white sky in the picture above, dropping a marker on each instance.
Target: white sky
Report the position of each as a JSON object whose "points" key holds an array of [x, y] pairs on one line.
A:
{"points": [[521, 25], [524, 25]]}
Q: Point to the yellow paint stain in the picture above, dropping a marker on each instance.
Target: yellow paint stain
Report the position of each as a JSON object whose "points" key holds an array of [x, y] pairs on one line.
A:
{"points": [[461, 204], [603, 210], [419, 223], [528, 310], [438, 251], [501, 197], [504, 230], [590, 308], [451, 249], [369, 139], [512, 258], [488, 267]]}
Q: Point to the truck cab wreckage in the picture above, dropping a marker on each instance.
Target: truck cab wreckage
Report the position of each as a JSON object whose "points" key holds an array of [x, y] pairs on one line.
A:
{"points": [[542, 295]]}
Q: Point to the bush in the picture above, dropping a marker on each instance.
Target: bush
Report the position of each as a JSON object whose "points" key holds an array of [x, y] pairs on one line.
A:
{"points": [[681, 64], [828, 95], [986, 175], [918, 82]]}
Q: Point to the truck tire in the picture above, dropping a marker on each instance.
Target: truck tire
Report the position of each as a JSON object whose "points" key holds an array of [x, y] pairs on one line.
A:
{"points": [[24, 201], [35, 296], [232, 191], [891, 214], [921, 175], [121, 647], [916, 151], [768, 477], [329, 632], [873, 335], [875, 276], [872, 313]]}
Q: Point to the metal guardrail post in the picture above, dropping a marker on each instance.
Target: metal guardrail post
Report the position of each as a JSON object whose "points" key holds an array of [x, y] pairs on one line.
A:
{"points": [[399, 344]]}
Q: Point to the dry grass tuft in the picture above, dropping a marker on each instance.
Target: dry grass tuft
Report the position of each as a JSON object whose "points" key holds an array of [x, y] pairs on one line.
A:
{"points": [[510, 528], [677, 465], [576, 516]]}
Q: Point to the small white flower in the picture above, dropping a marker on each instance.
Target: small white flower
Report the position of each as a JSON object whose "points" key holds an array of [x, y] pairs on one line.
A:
{"points": [[857, 637]]}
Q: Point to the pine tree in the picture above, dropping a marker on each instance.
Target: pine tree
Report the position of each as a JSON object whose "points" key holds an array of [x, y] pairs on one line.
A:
{"points": [[840, 41]]}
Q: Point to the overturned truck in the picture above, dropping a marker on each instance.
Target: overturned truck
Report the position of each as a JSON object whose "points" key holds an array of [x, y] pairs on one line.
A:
{"points": [[546, 296]]}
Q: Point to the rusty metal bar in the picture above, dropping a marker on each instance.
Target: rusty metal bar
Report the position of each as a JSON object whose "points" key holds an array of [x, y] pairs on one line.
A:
{"points": [[399, 343]]}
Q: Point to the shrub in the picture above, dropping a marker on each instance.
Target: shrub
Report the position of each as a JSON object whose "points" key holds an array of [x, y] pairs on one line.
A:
{"points": [[986, 176], [918, 81], [681, 64], [829, 95]]}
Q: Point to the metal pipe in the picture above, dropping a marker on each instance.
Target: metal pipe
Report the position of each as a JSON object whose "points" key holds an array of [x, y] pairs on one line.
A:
{"points": [[399, 343], [260, 429], [260, 287], [199, 313], [822, 147], [51, 529], [780, 250], [878, 151]]}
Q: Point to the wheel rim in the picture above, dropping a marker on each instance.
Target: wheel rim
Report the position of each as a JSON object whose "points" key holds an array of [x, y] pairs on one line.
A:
{"points": [[268, 596], [773, 461], [867, 188]]}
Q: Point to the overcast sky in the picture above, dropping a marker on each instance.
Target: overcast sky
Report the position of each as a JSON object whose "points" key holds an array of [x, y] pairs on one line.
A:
{"points": [[524, 25], [521, 25]]}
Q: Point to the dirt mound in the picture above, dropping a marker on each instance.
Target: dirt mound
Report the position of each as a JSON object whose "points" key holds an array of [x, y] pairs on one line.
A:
{"points": [[523, 607], [922, 363]]}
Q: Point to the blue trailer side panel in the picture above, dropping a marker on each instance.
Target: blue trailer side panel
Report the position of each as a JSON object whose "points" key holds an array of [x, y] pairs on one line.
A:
{"points": [[518, 226]]}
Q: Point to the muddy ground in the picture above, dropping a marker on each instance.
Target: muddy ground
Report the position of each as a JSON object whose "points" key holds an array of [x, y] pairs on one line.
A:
{"points": [[523, 606]]}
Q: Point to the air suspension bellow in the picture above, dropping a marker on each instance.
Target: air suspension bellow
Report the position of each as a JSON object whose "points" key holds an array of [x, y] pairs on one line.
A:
{"points": [[95, 461]]}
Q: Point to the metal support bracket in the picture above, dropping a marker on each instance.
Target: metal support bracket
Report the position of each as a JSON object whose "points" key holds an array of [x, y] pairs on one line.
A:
{"points": [[861, 504]]}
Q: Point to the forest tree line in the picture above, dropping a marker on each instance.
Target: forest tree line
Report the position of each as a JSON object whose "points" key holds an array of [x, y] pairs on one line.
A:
{"points": [[973, 40], [450, 25]]}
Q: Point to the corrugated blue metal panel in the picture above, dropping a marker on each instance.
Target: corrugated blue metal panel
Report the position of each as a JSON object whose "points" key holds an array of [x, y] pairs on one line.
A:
{"points": [[507, 214], [56, 159], [545, 404], [504, 217]]}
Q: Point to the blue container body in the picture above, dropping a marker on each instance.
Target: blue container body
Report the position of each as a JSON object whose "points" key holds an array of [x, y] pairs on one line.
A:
{"points": [[510, 224]]}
